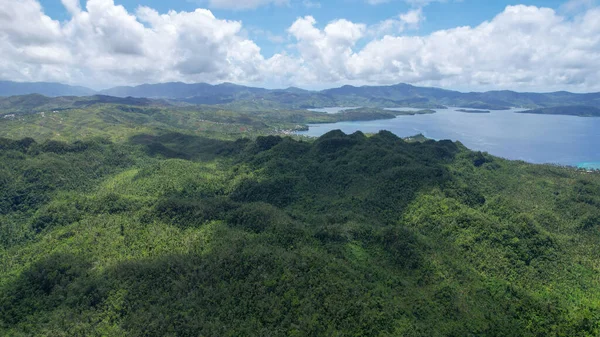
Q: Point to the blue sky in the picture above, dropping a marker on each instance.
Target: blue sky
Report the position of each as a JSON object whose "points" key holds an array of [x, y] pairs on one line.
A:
{"points": [[525, 45], [275, 19]]}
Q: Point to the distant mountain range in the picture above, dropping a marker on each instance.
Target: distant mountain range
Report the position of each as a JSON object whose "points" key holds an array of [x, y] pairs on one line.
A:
{"points": [[250, 98], [9, 88], [179, 90]]}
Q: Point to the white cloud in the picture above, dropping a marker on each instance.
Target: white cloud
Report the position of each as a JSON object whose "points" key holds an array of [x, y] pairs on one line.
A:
{"points": [[377, 2], [31, 43], [73, 6], [102, 44], [326, 51], [523, 47], [243, 4], [422, 3], [311, 4], [412, 17], [261, 33], [397, 25], [576, 5], [415, 3], [23, 22]]}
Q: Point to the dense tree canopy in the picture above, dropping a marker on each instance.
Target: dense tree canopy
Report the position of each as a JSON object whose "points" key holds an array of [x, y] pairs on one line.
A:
{"points": [[347, 235]]}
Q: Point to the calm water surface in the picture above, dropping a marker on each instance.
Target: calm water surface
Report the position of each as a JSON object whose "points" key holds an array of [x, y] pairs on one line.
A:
{"points": [[566, 140]]}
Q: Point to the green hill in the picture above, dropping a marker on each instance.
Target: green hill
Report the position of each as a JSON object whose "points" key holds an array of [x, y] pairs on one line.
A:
{"points": [[77, 118], [171, 234], [35, 103], [577, 110]]}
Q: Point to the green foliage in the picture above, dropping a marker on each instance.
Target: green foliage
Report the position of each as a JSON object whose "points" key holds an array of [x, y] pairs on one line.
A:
{"points": [[574, 110], [186, 212], [175, 234], [256, 217]]}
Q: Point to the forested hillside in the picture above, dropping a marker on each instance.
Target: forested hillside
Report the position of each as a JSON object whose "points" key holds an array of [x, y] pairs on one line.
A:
{"points": [[172, 234], [582, 111], [78, 118]]}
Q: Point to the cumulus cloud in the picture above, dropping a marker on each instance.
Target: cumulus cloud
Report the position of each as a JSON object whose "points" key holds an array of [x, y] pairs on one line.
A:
{"points": [[327, 51], [523, 47], [243, 4], [408, 20], [105, 44], [102, 44], [31, 43], [419, 3]]}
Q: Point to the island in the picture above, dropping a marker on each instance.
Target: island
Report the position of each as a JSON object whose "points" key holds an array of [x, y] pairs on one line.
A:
{"points": [[474, 111], [360, 115], [572, 110], [484, 106], [412, 112]]}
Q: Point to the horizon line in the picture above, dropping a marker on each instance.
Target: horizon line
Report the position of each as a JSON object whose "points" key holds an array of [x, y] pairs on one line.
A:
{"points": [[99, 91]]}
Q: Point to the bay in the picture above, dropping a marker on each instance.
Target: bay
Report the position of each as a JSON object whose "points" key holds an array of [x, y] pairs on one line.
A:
{"points": [[564, 140]]}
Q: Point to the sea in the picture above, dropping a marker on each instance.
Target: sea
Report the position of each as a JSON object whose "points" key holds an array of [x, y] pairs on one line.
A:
{"points": [[562, 140]]}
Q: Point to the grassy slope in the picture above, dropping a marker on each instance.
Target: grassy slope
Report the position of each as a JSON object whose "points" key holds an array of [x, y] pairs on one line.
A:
{"points": [[347, 235], [118, 122]]}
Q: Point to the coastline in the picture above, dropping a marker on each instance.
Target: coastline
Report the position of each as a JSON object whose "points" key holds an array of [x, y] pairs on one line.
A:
{"points": [[589, 165]]}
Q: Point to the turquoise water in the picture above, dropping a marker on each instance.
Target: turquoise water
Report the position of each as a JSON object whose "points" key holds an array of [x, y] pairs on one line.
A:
{"points": [[565, 140], [591, 166]]}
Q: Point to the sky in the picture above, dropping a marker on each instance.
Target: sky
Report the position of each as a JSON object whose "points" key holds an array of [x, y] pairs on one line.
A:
{"points": [[467, 45]]}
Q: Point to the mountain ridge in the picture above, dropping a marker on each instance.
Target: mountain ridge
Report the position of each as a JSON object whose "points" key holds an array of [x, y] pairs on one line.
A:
{"points": [[401, 94], [50, 89]]}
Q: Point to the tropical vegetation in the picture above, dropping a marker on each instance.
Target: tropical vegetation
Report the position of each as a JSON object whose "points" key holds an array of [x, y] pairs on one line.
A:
{"points": [[158, 220]]}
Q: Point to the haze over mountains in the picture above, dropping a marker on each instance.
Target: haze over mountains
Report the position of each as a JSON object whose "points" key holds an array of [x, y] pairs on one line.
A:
{"points": [[51, 89], [379, 96]]}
